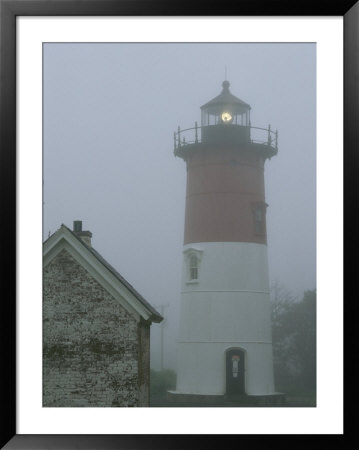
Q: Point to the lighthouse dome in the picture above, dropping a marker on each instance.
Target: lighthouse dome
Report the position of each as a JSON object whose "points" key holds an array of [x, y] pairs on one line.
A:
{"points": [[226, 98], [226, 109]]}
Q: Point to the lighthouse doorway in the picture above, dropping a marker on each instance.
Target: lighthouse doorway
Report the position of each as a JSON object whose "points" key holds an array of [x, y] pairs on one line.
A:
{"points": [[235, 371]]}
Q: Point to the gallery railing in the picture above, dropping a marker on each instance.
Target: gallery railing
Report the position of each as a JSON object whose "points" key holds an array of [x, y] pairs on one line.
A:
{"points": [[265, 136]]}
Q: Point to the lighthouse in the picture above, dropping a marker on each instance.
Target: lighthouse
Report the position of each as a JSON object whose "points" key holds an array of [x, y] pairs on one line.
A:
{"points": [[224, 346]]}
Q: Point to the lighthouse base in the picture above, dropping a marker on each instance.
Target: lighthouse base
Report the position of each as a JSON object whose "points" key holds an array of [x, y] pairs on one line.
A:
{"points": [[181, 399]]}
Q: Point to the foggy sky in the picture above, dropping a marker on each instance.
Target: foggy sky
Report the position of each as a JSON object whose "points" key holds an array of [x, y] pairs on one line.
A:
{"points": [[110, 111]]}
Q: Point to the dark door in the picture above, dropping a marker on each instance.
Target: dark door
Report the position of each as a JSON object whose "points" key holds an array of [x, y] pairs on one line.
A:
{"points": [[235, 372]]}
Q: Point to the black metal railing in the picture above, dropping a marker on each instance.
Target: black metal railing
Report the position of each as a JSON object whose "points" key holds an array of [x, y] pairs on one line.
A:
{"points": [[181, 136], [193, 135]]}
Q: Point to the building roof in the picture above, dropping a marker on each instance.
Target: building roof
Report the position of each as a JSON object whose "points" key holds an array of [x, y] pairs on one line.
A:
{"points": [[140, 305], [226, 98]]}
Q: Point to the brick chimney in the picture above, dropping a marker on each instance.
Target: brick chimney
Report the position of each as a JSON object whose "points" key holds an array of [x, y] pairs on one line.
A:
{"points": [[85, 236]]}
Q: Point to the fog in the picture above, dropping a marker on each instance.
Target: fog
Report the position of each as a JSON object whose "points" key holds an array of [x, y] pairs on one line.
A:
{"points": [[110, 111]]}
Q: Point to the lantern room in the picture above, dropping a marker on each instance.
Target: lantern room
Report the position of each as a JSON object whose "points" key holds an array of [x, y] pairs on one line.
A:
{"points": [[226, 109], [225, 119]]}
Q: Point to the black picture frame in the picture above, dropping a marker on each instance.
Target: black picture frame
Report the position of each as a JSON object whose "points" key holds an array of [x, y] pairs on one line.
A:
{"points": [[9, 10]]}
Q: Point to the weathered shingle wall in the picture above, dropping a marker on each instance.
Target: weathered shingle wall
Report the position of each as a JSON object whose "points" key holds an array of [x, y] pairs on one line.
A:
{"points": [[90, 342], [144, 363]]}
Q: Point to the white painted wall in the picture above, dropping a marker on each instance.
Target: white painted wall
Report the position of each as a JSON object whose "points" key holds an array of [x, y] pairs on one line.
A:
{"points": [[201, 368], [227, 307]]}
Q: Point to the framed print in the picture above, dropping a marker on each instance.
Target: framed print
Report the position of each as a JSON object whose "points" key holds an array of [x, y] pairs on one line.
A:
{"points": [[92, 94]]}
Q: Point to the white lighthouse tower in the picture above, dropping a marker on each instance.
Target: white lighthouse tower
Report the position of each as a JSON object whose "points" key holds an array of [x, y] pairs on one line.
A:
{"points": [[224, 344]]}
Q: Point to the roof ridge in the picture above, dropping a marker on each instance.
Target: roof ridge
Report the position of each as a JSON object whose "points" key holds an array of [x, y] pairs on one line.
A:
{"points": [[156, 317]]}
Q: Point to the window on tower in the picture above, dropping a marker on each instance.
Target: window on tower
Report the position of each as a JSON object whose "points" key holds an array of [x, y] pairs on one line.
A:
{"points": [[259, 221], [192, 262], [259, 210], [193, 267]]}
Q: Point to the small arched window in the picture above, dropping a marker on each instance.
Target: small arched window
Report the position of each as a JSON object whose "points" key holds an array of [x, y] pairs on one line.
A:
{"points": [[193, 267], [192, 261]]}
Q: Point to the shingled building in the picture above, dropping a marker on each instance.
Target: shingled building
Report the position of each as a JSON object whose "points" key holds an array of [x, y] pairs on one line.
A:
{"points": [[96, 328]]}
